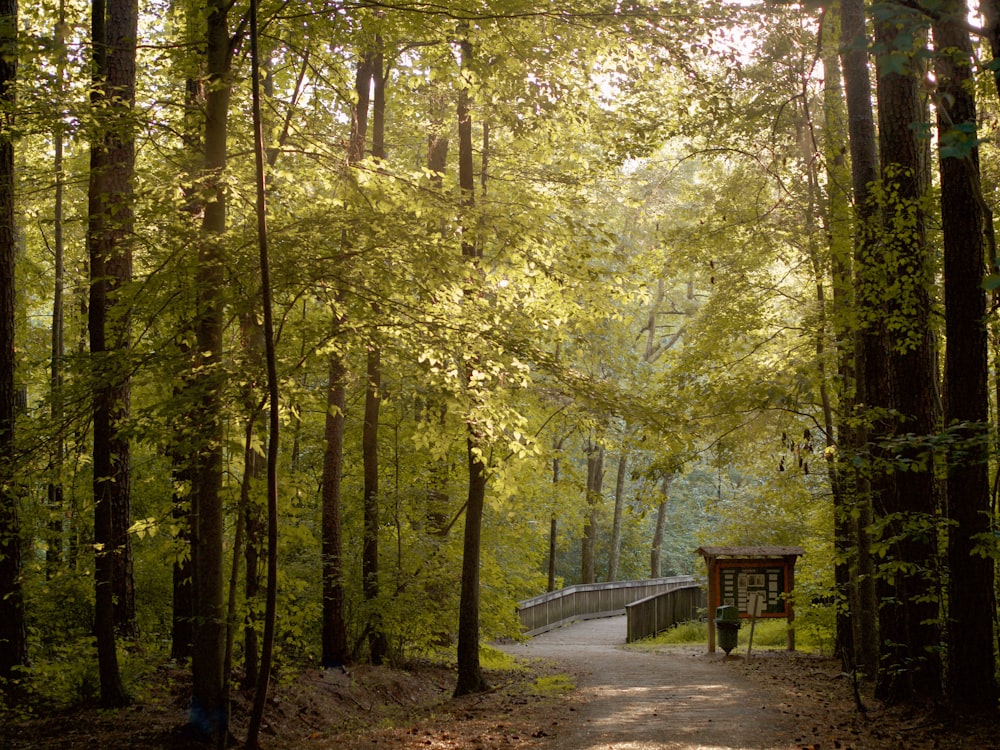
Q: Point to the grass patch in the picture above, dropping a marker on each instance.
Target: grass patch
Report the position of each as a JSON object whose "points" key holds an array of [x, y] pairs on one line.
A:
{"points": [[497, 660], [770, 634], [554, 685]]}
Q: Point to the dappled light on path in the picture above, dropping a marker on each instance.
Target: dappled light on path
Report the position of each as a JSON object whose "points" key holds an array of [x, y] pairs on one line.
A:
{"points": [[681, 699]]}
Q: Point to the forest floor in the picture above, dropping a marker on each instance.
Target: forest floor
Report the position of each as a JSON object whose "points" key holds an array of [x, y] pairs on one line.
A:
{"points": [[569, 693]]}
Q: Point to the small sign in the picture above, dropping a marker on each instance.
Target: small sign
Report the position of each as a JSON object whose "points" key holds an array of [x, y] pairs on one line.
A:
{"points": [[756, 602]]}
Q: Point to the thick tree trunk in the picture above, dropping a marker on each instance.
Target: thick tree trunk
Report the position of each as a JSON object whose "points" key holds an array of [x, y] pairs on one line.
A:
{"points": [[13, 636], [907, 515], [971, 600], [109, 229]]}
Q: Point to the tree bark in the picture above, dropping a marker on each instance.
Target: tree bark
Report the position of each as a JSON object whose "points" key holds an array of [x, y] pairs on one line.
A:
{"points": [[869, 341], [109, 228], [334, 630], [208, 715], [335, 651], [13, 635], [908, 620], [971, 593], [56, 499], [470, 675], [616, 523], [274, 415], [595, 488], [377, 643], [837, 221], [656, 555]]}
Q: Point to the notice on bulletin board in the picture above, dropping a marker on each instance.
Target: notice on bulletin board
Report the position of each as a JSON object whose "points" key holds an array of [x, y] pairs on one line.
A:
{"points": [[737, 584]]}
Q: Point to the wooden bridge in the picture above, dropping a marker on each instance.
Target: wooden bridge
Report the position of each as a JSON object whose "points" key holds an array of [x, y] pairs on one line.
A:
{"points": [[651, 606]]}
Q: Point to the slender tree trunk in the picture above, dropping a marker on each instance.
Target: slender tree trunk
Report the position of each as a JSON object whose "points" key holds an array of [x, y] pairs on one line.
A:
{"points": [[595, 490], [56, 501], [13, 635], [254, 524], [208, 714], [335, 651], [554, 521], [971, 600], [377, 643], [274, 414], [869, 338], [835, 320], [334, 630], [655, 557], [182, 459], [439, 470], [616, 523], [182, 615], [470, 675]]}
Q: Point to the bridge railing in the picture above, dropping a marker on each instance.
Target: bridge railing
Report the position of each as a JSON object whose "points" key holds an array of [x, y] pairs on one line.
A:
{"points": [[654, 614], [591, 600]]}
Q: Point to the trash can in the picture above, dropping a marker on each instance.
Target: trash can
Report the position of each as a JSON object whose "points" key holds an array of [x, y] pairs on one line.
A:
{"points": [[727, 625]]}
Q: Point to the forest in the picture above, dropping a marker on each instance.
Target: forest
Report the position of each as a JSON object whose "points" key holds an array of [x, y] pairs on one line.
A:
{"points": [[332, 329]]}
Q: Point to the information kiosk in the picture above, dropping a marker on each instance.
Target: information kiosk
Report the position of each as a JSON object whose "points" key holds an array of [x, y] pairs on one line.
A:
{"points": [[755, 580]]}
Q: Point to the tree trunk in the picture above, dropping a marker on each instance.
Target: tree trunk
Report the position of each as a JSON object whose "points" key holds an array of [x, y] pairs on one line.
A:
{"points": [[655, 556], [553, 521], [595, 488], [109, 228], [56, 500], [334, 630], [377, 643], [208, 715], [869, 338], [470, 675], [837, 221], [335, 651], [971, 599], [274, 414], [182, 459], [908, 625], [616, 524], [182, 615], [13, 635]]}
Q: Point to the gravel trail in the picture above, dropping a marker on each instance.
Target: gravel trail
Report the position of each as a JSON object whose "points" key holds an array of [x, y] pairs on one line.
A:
{"points": [[684, 699]]}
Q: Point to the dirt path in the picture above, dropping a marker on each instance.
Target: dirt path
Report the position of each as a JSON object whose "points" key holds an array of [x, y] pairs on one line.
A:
{"points": [[681, 700]]}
